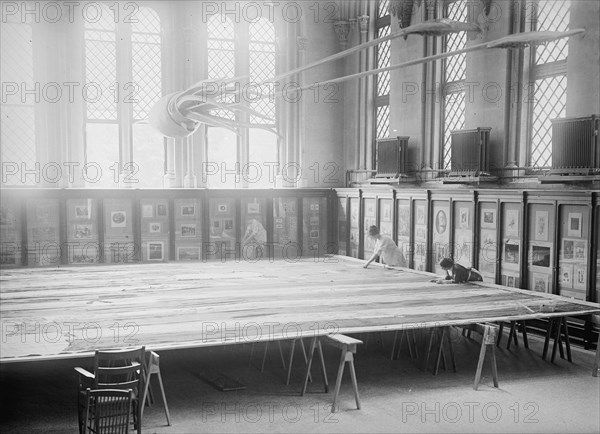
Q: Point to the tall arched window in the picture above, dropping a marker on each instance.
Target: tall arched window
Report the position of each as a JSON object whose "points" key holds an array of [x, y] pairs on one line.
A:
{"points": [[548, 78], [243, 49], [222, 143], [123, 81], [262, 143], [453, 115], [17, 110], [382, 80]]}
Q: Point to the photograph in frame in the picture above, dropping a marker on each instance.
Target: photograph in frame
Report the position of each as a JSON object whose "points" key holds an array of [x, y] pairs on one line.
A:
{"points": [[574, 225], [155, 250], [541, 226]]}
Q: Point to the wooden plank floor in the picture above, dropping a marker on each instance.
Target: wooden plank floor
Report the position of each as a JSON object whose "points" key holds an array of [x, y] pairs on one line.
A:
{"points": [[53, 313]]}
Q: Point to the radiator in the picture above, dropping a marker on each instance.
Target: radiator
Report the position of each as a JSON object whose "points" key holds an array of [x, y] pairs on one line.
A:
{"points": [[391, 157], [575, 146], [469, 152]]}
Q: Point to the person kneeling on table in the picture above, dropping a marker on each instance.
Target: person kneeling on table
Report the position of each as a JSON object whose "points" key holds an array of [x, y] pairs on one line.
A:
{"points": [[385, 247], [456, 273]]}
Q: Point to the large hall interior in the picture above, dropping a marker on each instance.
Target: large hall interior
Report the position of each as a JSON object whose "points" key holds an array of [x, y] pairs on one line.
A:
{"points": [[300, 216]]}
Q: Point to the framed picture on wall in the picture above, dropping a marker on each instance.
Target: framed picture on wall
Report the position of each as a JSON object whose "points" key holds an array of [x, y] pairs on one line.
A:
{"points": [[147, 211], [580, 250], [540, 282], [566, 276], [188, 230], [441, 222], [512, 252], [420, 215], [161, 210], [118, 219], [568, 249], [580, 277], [463, 218], [188, 253], [541, 226], [82, 212], [155, 250], [253, 208], [540, 256], [222, 208], [154, 227], [574, 225], [403, 221], [188, 211], [387, 212], [511, 224], [82, 231], [488, 218]]}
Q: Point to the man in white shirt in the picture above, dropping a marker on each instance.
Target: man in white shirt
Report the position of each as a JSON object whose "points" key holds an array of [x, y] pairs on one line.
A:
{"points": [[385, 247]]}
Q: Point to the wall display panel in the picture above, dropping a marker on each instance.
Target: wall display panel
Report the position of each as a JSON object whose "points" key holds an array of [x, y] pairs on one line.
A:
{"points": [[154, 224], [82, 231], [285, 227], [222, 229], [541, 251], [314, 228], [10, 233], [370, 219], [573, 251], [386, 222], [420, 238], [354, 243], [253, 241], [188, 229], [463, 233], [342, 226], [43, 232], [119, 243], [488, 246], [510, 248], [440, 234], [404, 225]]}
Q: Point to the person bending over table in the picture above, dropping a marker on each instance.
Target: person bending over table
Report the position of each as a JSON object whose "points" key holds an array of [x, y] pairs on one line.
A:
{"points": [[456, 273], [385, 247]]}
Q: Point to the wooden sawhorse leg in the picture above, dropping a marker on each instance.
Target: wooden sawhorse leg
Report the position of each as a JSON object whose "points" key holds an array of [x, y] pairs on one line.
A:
{"points": [[153, 367], [348, 347], [291, 360], [489, 340], [316, 343]]}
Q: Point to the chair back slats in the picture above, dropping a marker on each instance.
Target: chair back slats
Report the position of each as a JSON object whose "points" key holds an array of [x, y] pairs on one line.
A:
{"points": [[107, 411]]}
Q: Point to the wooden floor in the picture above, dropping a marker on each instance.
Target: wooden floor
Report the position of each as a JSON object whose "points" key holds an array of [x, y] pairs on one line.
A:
{"points": [[54, 313]]}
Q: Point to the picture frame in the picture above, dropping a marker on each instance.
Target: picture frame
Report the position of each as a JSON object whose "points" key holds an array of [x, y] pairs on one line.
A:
{"points": [[118, 219], [161, 210], [82, 212], [511, 224], [188, 253], [370, 205], [512, 250], [420, 215], [314, 233], [574, 224], [155, 250], [580, 277], [421, 233], [147, 211], [228, 224], [441, 222], [566, 276], [540, 256], [188, 210], [580, 250], [154, 227], [541, 226], [488, 218], [253, 208], [403, 221], [82, 231], [540, 282], [463, 221], [568, 249], [188, 230], [222, 208], [387, 212]]}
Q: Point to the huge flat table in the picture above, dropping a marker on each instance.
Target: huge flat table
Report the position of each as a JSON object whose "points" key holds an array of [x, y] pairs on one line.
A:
{"points": [[65, 312]]}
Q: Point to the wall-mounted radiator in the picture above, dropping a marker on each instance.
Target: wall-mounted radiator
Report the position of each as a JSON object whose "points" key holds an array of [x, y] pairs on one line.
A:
{"points": [[575, 145], [469, 152], [391, 157]]}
